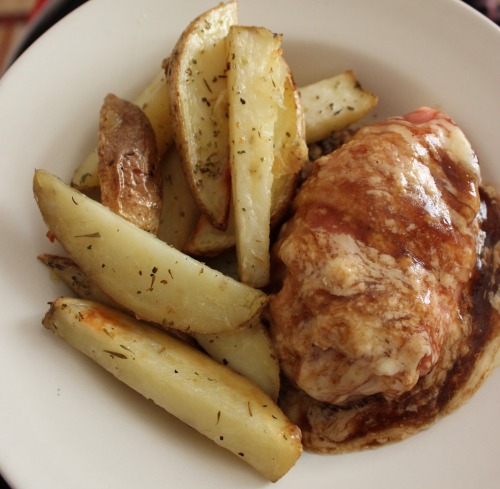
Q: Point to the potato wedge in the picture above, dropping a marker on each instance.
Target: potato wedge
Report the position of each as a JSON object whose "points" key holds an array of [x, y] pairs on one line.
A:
{"points": [[290, 147], [197, 79], [154, 101], [256, 78], [248, 351], [333, 104], [220, 404], [139, 271], [86, 178], [78, 283], [290, 155], [180, 212], [128, 165], [207, 241], [70, 273]]}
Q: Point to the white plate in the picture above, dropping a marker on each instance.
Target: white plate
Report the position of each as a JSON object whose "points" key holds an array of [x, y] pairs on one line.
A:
{"points": [[65, 423]]}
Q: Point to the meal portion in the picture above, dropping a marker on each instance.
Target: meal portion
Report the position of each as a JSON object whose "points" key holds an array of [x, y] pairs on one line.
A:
{"points": [[382, 241], [468, 356], [274, 275], [379, 276]]}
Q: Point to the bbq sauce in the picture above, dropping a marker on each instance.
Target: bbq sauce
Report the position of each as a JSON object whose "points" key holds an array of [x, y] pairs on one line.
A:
{"points": [[376, 420]]}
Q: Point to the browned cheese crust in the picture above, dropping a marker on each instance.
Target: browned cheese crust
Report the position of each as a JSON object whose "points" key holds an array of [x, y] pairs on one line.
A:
{"points": [[388, 317], [375, 421]]}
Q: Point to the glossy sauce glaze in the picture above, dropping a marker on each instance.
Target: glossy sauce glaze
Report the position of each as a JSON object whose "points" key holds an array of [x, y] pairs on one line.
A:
{"points": [[375, 421], [381, 318]]}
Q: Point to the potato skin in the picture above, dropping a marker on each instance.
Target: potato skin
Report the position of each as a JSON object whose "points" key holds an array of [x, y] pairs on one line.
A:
{"points": [[128, 166]]}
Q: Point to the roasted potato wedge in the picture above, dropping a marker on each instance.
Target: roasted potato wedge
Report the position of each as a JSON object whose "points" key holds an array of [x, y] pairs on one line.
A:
{"points": [[256, 79], [70, 273], [154, 101], [180, 212], [333, 104], [207, 241], [128, 164], [290, 155], [139, 271], [198, 106], [248, 351], [290, 147], [219, 403], [86, 178]]}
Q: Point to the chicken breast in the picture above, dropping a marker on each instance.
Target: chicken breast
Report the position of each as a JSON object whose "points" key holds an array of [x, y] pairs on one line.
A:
{"points": [[375, 259]]}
